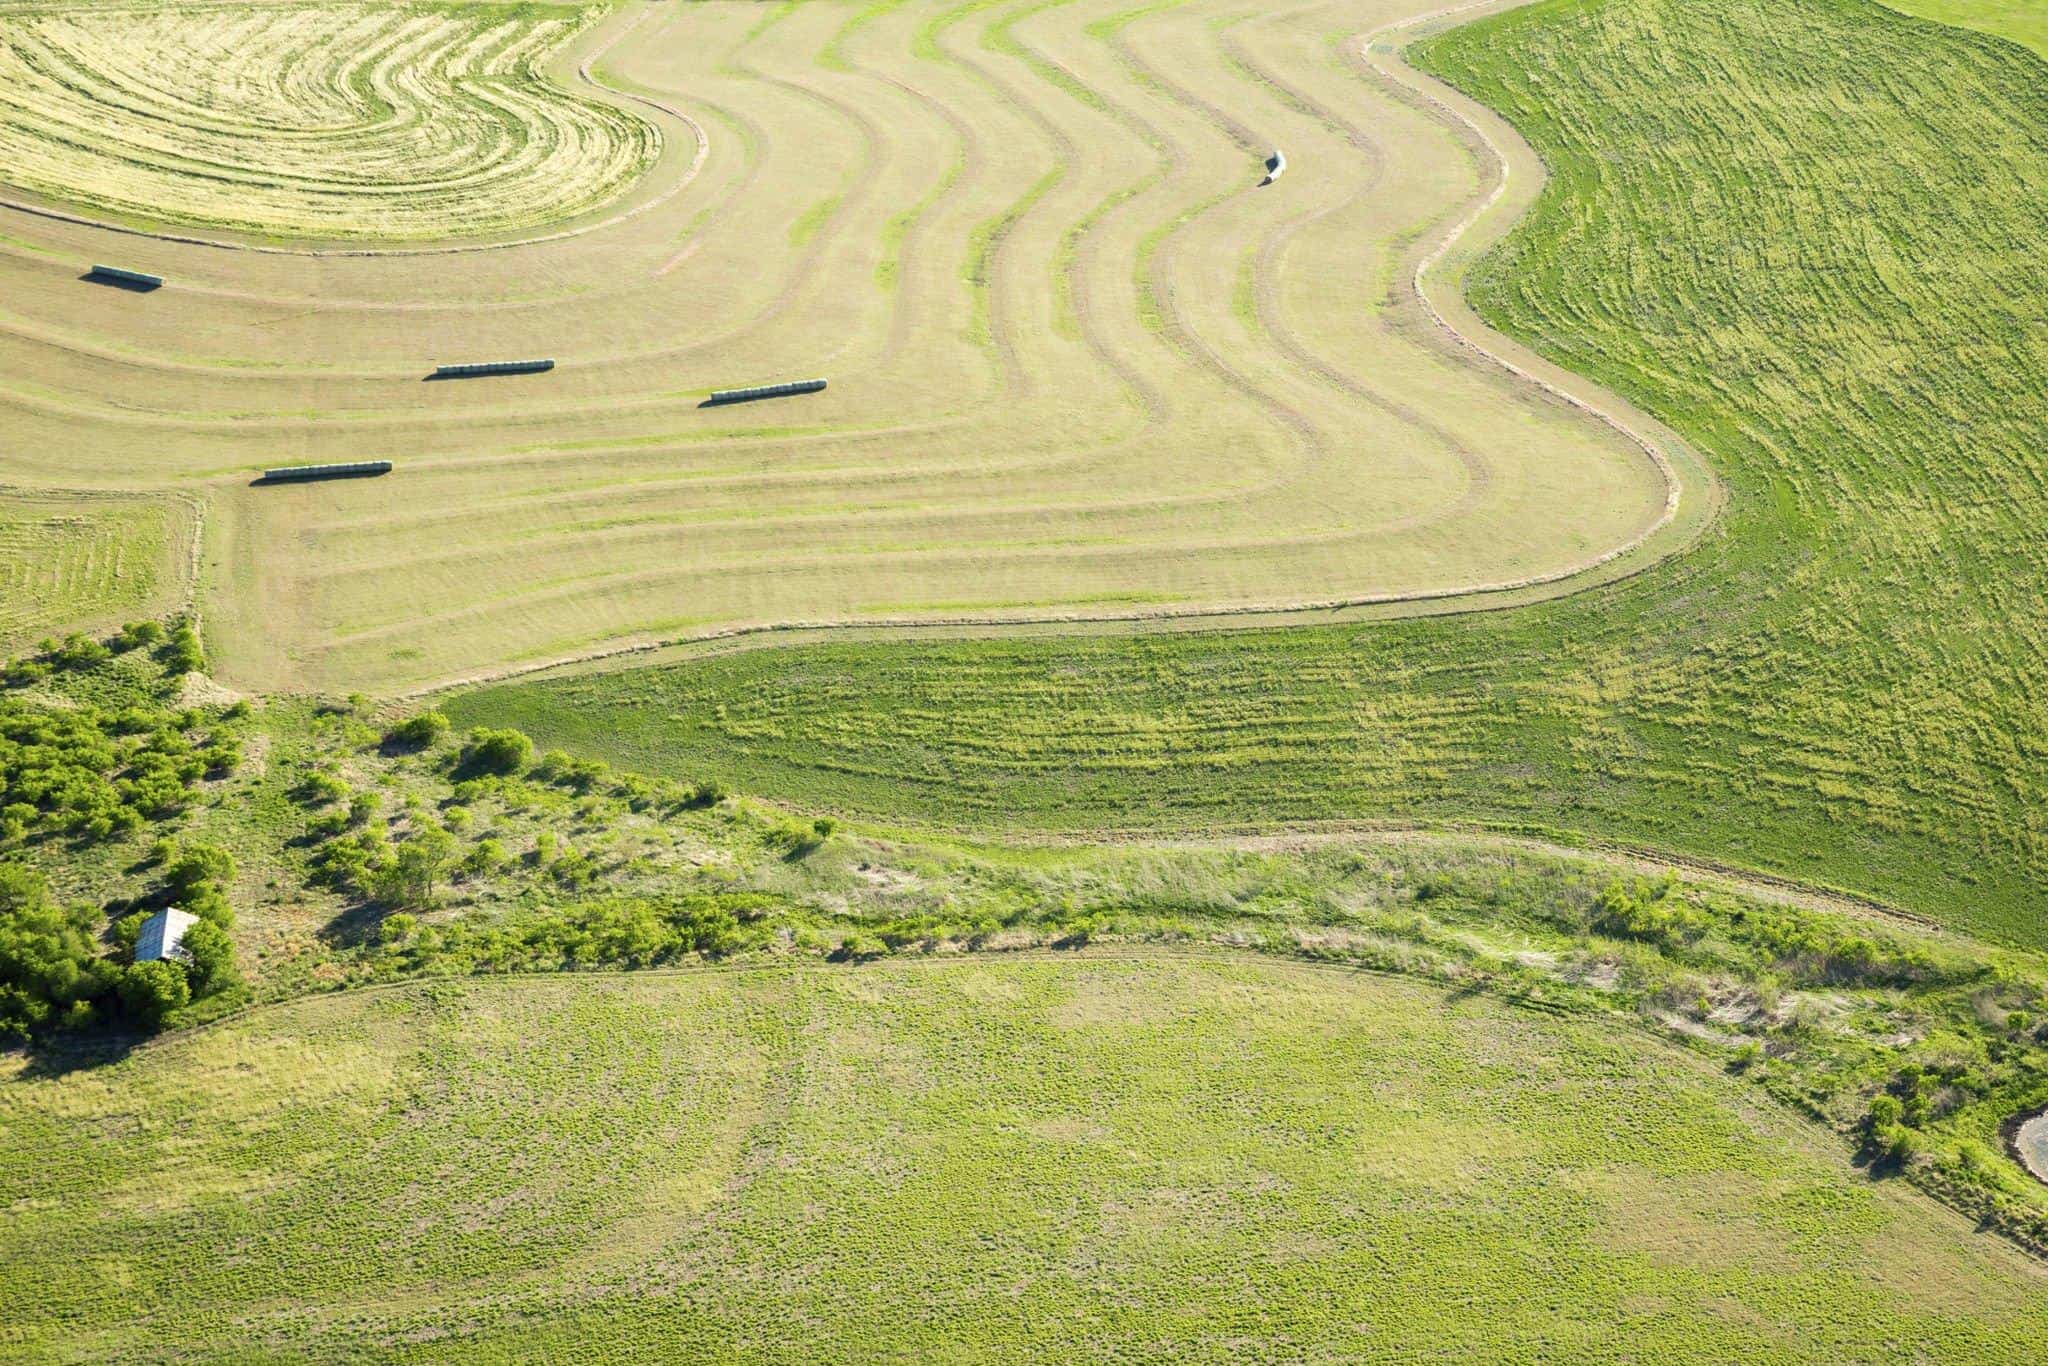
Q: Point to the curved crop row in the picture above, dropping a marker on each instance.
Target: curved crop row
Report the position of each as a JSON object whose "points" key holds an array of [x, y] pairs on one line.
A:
{"points": [[341, 121]]}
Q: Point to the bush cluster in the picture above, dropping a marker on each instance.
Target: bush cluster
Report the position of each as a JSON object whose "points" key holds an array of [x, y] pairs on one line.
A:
{"points": [[612, 932], [54, 973], [93, 772]]}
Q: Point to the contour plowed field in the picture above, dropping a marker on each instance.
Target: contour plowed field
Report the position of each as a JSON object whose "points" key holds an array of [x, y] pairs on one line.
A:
{"points": [[1081, 363]]}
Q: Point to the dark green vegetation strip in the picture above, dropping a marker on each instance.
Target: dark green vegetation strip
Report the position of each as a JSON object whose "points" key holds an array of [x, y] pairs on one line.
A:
{"points": [[1067, 1160], [1809, 236]]}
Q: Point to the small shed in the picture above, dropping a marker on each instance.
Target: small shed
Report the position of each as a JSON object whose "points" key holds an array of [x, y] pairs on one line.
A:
{"points": [[163, 936]]}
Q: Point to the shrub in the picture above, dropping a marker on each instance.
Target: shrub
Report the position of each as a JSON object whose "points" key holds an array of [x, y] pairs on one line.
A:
{"points": [[321, 788], [327, 824], [418, 732], [496, 752], [487, 857], [411, 878], [50, 969], [858, 948], [151, 991], [797, 838], [181, 653], [77, 652], [137, 634]]}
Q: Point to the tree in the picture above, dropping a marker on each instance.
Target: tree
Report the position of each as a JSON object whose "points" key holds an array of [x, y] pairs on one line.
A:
{"points": [[418, 732], [488, 751], [197, 864], [411, 877], [50, 968], [151, 991], [181, 654], [213, 958]]}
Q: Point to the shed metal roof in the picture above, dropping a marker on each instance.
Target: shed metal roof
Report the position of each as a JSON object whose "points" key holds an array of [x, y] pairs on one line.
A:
{"points": [[163, 935]]}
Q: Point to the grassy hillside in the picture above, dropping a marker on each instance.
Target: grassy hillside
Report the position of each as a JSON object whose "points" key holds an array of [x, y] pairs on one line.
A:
{"points": [[321, 851], [1805, 236], [1083, 1159]]}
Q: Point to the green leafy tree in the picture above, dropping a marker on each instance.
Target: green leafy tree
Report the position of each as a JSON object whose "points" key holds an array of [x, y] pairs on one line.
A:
{"points": [[418, 732], [212, 955], [50, 968], [181, 654], [414, 874], [151, 991], [493, 752], [197, 864]]}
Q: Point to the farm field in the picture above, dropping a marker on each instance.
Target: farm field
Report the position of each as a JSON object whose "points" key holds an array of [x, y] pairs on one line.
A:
{"points": [[2023, 21], [1440, 753], [1825, 282], [1086, 1158], [68, 563], [1081, 363], [254, 117]]}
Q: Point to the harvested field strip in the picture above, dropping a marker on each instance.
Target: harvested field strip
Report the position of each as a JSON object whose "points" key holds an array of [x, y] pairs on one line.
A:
{"points": [[1826, 281], [1275, 1160], [332, 122], [973, 163]]}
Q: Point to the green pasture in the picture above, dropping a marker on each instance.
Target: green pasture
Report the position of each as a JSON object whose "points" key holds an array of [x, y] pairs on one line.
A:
{"points": [[1091, 1159], [1830, 283], [69, 562]]}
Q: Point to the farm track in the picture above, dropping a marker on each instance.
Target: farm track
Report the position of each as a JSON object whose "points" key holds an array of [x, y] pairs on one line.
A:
{"points": [[1155, 472]]}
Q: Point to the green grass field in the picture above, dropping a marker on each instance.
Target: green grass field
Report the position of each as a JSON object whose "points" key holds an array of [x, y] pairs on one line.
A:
{"points": [[1022, 965], [1083, 1159], [2023, 21], [1828, 284], [69, 563]]}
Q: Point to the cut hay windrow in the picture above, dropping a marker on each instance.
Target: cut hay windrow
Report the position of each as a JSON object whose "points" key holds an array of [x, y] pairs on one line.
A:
{"points": [[326, 121], [795, 386]]}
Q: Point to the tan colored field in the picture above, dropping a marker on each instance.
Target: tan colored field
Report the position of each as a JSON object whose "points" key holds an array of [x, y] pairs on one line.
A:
{"points": [[334, 120], [1081, 363]]}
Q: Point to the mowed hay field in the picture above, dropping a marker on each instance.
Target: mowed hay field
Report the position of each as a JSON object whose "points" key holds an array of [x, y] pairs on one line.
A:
{"points": [[1081, 364], [79, 563], [1086, 1158], [338, 121], [1808, 236]]}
